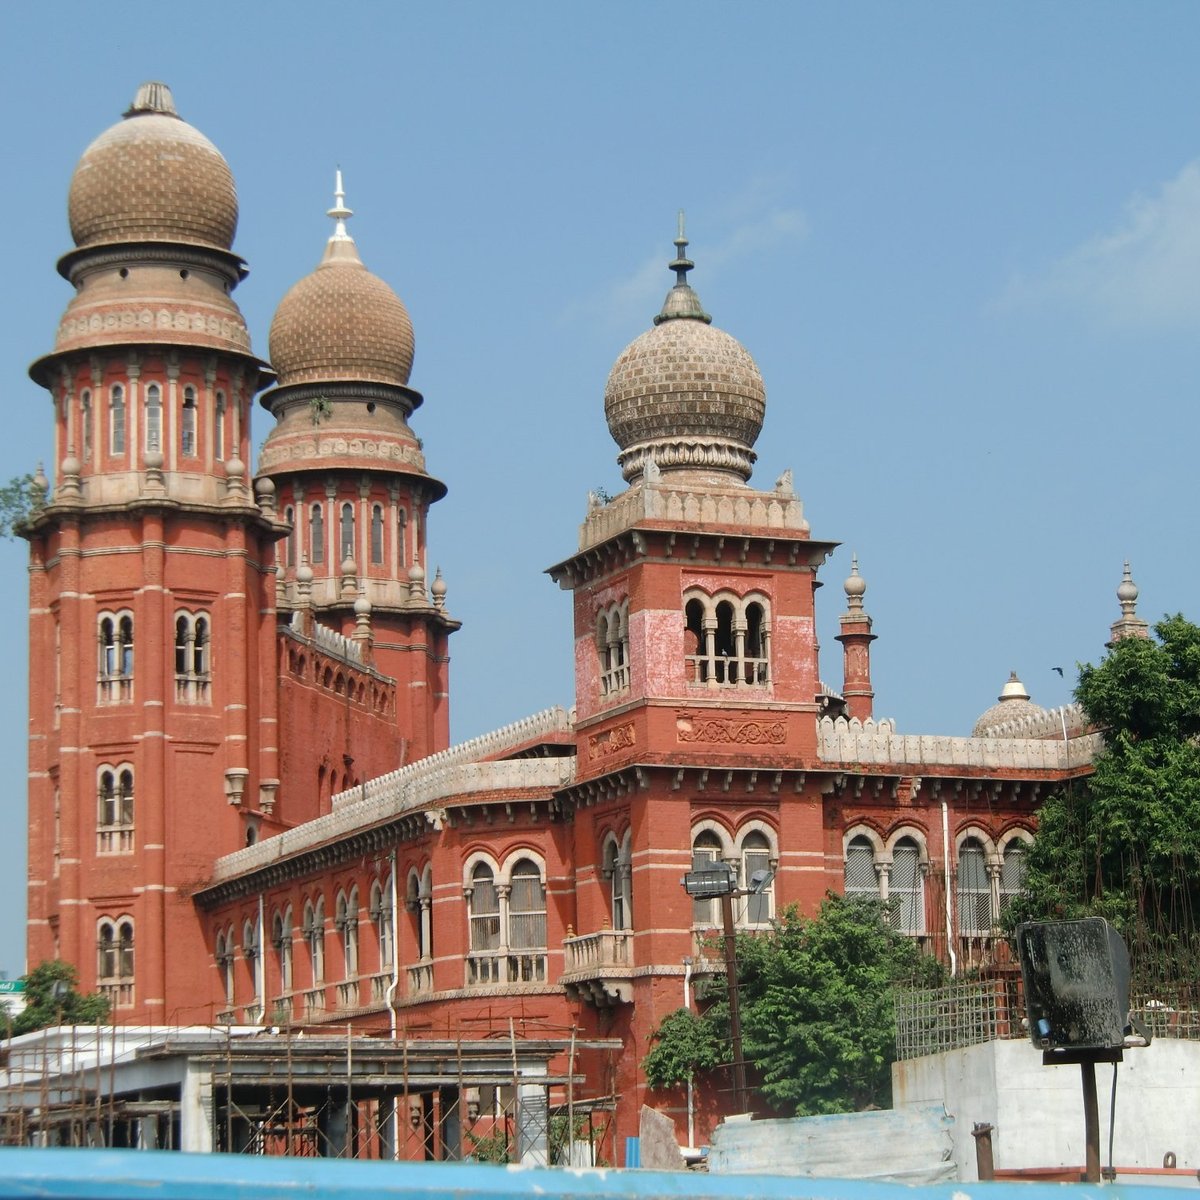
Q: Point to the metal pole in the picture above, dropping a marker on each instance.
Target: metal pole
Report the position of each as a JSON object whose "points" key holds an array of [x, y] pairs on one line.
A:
{"points": [[985, 1166], [1091, 1122], [735, 1024]]}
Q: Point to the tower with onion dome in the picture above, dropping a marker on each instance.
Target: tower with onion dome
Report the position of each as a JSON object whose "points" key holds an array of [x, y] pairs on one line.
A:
{"points": [[152, 586], [348, 476]]}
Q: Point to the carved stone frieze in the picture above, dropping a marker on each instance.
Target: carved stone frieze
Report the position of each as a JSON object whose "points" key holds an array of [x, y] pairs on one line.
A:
{"points": [[611, 741], [727, 731]]}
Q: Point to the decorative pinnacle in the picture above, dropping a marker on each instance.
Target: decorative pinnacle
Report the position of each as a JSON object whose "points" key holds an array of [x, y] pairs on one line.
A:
{"points": [[1127, 592], [682, 300], [339, 212], [855, 586]]}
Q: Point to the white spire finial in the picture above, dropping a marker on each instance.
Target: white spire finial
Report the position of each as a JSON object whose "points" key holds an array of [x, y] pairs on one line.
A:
{"points": [[339, 212]]}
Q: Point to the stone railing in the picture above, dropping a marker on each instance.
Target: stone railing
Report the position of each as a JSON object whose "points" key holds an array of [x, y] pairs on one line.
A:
{"points": [[855, 744], [348, 994], [379, 987], [765, 511], [608, 948], [420, 979], [314, 1002], [419, 791], [486, 746]]}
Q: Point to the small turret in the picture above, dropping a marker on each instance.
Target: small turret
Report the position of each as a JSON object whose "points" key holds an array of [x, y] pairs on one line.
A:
{"points": [[856, 638]]}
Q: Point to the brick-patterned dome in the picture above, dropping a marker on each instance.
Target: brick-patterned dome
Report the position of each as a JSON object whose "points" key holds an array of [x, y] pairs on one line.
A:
{"points": [[341, 322], [1013, 705], [153, 177], [685, 393]]}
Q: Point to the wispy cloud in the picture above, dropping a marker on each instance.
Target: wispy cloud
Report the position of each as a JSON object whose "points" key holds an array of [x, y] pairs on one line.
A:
{"points": [[1144, 274], [744, 231]]}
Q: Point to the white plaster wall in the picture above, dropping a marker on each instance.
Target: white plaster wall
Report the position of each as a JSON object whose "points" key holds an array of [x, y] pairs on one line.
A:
{"points": [[1037, 1112]]}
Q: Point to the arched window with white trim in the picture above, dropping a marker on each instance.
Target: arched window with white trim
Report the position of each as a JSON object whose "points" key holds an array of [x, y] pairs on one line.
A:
{"points": [[974, 893], [757, 908], [314, 937], [115, 654], [376, 535], [728, 639], [85, 419], [114, 818], [116, 420], [906, 889], [526, 923], [861, 878], [617, 869], [346, 920], [346, 533], [612, 646], [153, 417], [706, 852], [114, 966], [224, 959], [316, 534], [281, 940], [383, 921], [1012, 872], [219, 428], [193, 678], [252, 953], [187, 424], [483, 917]]}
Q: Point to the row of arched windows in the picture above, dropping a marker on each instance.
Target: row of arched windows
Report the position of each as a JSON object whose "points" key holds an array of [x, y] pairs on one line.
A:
{"points": [[751, 850], [114, 422], [987, 877], [347, 541], [729, 639]]}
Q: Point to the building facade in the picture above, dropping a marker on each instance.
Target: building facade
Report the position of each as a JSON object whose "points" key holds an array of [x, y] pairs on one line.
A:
{"points": [[244, 806]]}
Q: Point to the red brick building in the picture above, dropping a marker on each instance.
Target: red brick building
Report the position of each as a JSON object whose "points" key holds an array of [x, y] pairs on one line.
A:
{"points": [[243, 802]]}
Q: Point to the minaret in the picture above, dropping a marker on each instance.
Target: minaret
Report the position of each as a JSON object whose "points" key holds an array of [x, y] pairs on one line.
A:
{"points": [[856, 638], [350, 481], [151, 571], [1129, 624]]}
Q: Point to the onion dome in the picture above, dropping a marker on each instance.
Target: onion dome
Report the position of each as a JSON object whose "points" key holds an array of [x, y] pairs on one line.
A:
{"points": [[341, 323], [152, 177], [1013, 705], [685, 393]]}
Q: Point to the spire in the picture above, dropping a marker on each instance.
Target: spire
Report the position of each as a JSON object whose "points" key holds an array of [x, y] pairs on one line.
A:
{"points": [[340, 248], [1130, 624], [682, 300], [855, 586], [152, 97]]}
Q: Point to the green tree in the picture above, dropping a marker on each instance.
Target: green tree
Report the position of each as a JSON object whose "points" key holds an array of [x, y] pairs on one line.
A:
{"points": [[1125, 843], [683, 1044], [816, 1003], [20, 498], [52, 998]]}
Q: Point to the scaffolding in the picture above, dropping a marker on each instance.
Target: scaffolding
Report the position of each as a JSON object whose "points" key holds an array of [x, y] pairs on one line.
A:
{"points": [[302, 1092]]}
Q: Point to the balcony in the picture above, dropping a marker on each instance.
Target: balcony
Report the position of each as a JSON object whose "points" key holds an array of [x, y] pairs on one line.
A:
{"points": [[599, 966], [314, 1002], [487, 968], [420, 979], [347, 995], [379, 987]]}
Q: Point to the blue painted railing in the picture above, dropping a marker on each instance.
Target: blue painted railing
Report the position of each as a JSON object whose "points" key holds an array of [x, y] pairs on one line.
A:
{"points": [[163, 1175]]}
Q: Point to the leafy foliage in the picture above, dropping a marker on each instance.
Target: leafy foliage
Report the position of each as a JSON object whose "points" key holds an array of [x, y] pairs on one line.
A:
{"points": [[20, 498], [1125, 843], [682, 1045], [815, 996], [52, 998]]}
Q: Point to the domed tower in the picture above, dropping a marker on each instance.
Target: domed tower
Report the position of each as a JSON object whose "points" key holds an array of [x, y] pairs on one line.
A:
{"points": [[349, 479], [152, 701]]}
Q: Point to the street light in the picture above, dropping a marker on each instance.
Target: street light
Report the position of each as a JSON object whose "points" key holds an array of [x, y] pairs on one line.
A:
{"points": [[719, 882]]}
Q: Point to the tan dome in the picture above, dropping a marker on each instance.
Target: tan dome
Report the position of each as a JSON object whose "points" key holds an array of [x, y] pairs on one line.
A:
{"points": [[341, 322], [153, 177], [685, 393], [1013, 705]]}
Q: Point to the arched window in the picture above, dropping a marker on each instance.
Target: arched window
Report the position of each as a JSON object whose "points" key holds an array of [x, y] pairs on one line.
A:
{"points": [[907, 888], [346, 920], [224, 958], [193, 677], [289, 515], [316, 534], [252, 953], [85, 418], [401, 540], [114, 967], [612, 644], [219, 428], [116, 419], [861, 877], [756, 856], [526, 924], [187, 424], [314, 936], [115, 653], [153, 417], [483, 907], [974, 894], [728, 642], [281, 939], [1012, 872], [114, 818], [346, 528], [377, 535], [383, 919], [618, 870], [706, 852]]}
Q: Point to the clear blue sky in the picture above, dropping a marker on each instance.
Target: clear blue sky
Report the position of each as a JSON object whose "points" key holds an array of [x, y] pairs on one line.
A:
{"points": [[962, 242]]}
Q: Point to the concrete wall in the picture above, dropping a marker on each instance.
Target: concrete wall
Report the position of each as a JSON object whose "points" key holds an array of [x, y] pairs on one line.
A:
{"points": [[1037, 1111]]}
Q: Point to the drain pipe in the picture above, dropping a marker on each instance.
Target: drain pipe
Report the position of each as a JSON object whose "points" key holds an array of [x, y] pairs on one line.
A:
{"points": [[946, 872], [262, 964], [391, 1001], [687, 1003]]}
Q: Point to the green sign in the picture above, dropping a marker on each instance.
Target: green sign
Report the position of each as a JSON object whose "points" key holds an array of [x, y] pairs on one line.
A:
{"points": [[10, 986]]}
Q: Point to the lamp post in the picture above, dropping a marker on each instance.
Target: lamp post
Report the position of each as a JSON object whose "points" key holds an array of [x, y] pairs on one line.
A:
{"points": [[718, 882]]}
